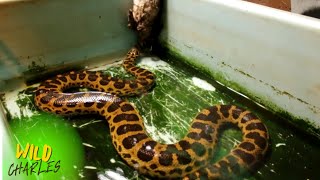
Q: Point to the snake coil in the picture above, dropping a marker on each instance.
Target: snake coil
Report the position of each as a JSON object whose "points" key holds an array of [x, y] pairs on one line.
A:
{"points": [[187, 158]]}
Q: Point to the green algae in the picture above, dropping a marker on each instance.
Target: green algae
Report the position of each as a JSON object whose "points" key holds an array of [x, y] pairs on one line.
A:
{"points": [[36, 67]]}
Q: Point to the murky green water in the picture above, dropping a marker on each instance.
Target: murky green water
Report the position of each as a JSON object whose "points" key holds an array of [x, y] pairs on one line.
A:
{"points": [[180, 93]]}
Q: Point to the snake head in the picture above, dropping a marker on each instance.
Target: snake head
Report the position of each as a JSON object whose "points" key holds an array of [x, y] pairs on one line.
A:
{"points": [[134, 52]]}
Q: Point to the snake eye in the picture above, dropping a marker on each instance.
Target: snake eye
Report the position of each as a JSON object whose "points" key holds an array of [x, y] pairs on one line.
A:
{"points": [[41, 91]]}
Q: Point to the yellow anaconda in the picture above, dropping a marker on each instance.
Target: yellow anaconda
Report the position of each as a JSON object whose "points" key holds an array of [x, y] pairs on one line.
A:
{"points": [[188, 158]]}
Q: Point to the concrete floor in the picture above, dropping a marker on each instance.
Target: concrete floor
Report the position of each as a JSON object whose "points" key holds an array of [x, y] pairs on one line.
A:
{"points": [[279, 4], [306, 7]]}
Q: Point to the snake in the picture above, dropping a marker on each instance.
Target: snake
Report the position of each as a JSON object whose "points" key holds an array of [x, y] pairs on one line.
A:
{"points": [[186, 159]]}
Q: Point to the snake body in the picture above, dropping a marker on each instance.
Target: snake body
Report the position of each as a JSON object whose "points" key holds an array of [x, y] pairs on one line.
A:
{"points": [[187, 158]]}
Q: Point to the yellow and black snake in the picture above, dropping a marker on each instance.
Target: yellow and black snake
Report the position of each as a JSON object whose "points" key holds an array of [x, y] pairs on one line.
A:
{"points": [[188, 158]]}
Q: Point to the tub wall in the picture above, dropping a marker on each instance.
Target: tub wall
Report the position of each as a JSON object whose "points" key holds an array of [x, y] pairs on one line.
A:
{"points": [[272, 56], [57, 32]]}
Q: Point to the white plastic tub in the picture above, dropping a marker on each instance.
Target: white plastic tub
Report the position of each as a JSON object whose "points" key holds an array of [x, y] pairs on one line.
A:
{"points": [[269, 55]]}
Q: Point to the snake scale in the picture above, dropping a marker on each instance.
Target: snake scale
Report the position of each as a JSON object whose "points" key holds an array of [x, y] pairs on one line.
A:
{"points": [[188, 158]]}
